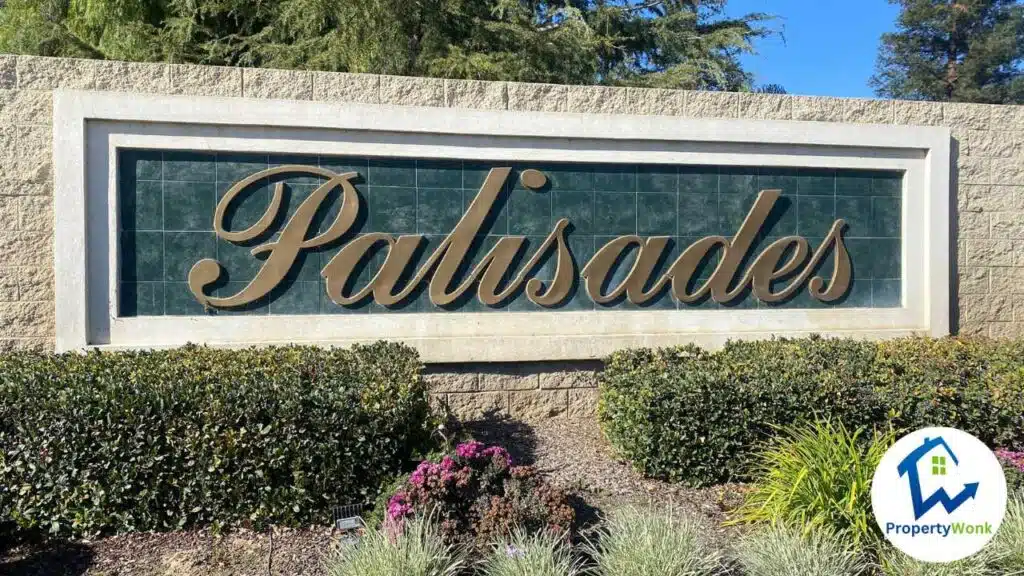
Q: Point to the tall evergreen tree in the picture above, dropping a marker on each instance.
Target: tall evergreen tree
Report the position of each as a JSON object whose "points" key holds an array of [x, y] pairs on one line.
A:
{"points": [[666, 43], [954, 50]]}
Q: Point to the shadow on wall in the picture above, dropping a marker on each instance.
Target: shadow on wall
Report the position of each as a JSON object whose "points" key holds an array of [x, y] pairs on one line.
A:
{"points": [[954, 252]]}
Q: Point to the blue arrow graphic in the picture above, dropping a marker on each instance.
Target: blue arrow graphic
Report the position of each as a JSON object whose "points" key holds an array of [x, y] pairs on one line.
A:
{"points": [[908, 467]]}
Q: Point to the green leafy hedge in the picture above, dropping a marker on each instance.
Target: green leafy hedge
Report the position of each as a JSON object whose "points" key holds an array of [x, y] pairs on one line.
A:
{"points": [[159, 440], [691, 415]]}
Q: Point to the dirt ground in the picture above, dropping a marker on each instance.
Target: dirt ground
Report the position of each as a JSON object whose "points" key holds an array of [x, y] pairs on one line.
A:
{"points": [[571, 452]]}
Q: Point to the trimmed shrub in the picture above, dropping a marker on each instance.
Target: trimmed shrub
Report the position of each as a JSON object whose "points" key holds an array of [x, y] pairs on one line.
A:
{"points": [[640, 542], [160, 440], [477, 496], [524, 554], [415, 550], [690, 415], [784, 551], [818, 476]]}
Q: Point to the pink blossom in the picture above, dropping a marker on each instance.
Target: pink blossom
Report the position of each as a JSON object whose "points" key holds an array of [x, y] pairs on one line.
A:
{"points": [[469, 450], [1016, 459], [398, 507], [498, 453]]}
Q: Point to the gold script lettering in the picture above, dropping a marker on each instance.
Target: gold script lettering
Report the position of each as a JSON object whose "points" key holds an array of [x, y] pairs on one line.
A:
{"points": [[285, 250], [492, 275]]}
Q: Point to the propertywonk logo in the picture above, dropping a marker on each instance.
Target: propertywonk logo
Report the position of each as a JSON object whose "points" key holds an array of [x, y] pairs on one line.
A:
{"points": [[939, 495]]}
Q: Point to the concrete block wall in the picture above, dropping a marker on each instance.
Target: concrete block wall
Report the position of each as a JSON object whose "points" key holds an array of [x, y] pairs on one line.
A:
{"points": [[989, 179]]}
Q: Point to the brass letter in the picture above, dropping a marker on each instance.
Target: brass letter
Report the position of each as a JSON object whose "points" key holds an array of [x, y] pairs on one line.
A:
{"points": [[738, 247], [764, 268], [289, 244]]}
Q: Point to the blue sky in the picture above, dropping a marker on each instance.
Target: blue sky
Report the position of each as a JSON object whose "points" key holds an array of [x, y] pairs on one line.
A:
{"points": [[830, 45]]}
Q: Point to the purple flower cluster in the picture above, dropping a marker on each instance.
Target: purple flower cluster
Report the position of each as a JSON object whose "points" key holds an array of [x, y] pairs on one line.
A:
{"points": [[474, 450], [445, 471], [439, 481], [398, 506], [1015, 459]]}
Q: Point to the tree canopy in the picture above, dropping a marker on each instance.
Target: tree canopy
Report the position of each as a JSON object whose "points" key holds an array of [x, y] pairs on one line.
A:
{"points": [[954, 50], [668, 43]]}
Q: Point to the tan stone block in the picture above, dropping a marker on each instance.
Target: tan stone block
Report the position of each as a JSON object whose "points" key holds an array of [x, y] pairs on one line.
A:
{"points": [[1018, 253], [918, 113], [452, 382], [27, 188], [986, 308], [1007, 171], [26, 107], [568, 379], [990, 198], [971, 116], [131, 77], [974, 170], [44, 73], [25, 249], [538, 404], [32, 344], [343, 87], [1018, 308], [813, 108], [974, 225], [656, 102], [407, 91], [25, 152], [8, 71], [35, 283], [583, 403], [961, 253], [27, 319], [1008, 118], [766, 106], [507, 381], [476, 405], [1008, 225], [279, 84], [990, 252], [438, 403], [973, 328], [538, 97], [476, 94], [204, 80], [993, 144], [975, 280], [867, 111], [9, 284], [36, 213], [1006, 329], [1007, 280], [712, 104], [598, 99], [9, 206]]}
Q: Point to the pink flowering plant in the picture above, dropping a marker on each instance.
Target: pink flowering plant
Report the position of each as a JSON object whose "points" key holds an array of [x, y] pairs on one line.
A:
{"points": [[1013, 467], [477, 493]]}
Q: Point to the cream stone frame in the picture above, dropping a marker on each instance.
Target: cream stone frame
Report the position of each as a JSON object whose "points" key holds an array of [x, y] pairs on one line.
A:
{"points": [[90, 126]]}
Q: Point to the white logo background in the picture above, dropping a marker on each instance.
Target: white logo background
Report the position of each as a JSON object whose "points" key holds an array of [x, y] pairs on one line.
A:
{"points": [[892, 503]]}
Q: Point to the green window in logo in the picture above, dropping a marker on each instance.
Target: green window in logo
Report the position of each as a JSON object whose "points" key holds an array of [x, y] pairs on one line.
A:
{"points": [[938, 465]]}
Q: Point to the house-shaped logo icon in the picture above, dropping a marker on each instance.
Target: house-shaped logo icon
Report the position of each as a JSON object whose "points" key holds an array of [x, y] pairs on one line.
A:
{"points": [[909, 468]]}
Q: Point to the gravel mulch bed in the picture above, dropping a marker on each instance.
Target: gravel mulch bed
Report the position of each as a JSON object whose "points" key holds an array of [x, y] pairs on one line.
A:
{"points": [[572, 452]]}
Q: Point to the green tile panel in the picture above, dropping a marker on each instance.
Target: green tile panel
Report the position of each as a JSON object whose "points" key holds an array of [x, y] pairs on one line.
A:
{"points": [[167, 200]]}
